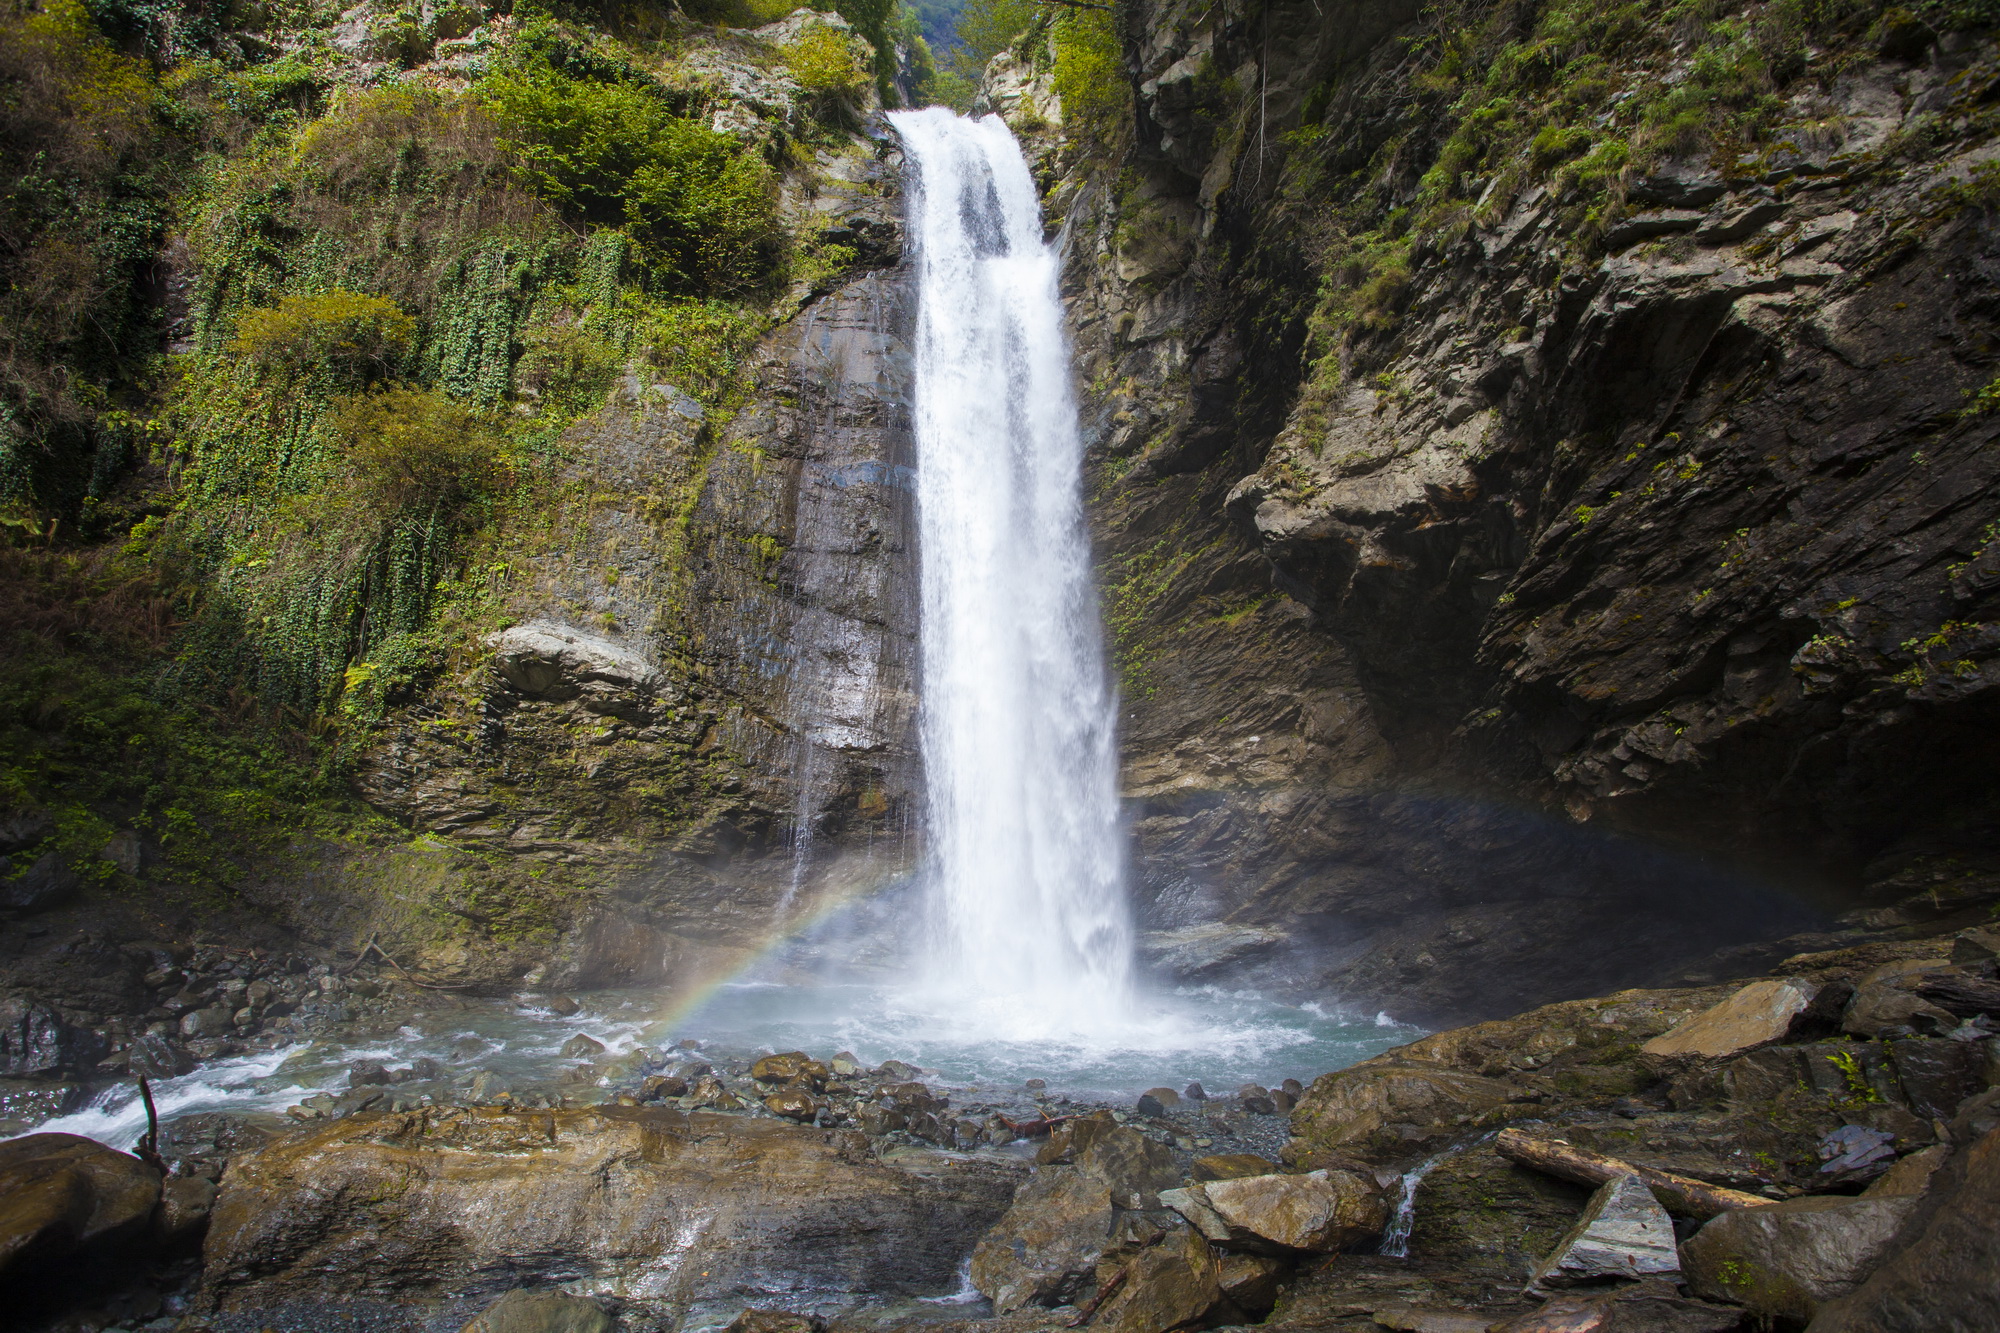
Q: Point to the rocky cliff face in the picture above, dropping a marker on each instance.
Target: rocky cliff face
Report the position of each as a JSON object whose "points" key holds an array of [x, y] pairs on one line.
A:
{"points": [[1534, 565]]}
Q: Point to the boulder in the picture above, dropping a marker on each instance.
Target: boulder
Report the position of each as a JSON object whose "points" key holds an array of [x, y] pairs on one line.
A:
{"points": [[409, 1206], [1321, 1212], [524, 1311], [1622, 1233], [1412, 1102], [33, 1040], [185, 1202], [1046, 1250], [1943, 1273], [1760, 1013], [788, 1067], [1784, 1260], [792, 1104], [42, 884], [1879, 1006], [581, 1047], [1164, 1287], [545, 659], [1230, 1166], [1250, 1281], [62, 1195], [1976, 946]]}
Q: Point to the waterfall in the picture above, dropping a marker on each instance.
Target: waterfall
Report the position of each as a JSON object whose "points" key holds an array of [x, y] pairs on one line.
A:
{"points": [[1030, 933]]}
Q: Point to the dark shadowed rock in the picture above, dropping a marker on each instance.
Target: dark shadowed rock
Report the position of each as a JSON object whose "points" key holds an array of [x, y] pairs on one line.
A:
{"points": [[1168, 1286], [1786, 1260], [62, 1196], [1942, 1273]]}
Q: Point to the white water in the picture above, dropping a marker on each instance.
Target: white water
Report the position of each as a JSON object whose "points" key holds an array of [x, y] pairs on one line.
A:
{"points": [[1031, 935]]}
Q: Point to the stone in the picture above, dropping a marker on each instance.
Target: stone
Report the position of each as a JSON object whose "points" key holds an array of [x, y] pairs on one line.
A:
{"points": [[1194, 1092], [153, 1056], [487, 1086], [1230, 1166], [1943, 1272], [1976, 946], [46, 881], [367, 1073], [656, 1086], [786, 1067], [64, 1196], [205, 1023], [845, 1065], [1348, 1108], [185, 1202], [1157, 1101], [1883, 1006], [1323, 1211], [1784, 1260], [1623, 1232], [1251, 1281], [751, 1209], [1910, 1175], [524, 1311], [1169, 1286], [1045, 1250], [581, 1047], [547, 659], [33, 1040], [793, 1104], [1756, 1015], [562, 1006], [773, 1321]]}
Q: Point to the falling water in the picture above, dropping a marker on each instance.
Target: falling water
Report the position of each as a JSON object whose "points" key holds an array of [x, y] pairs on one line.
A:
{"points": [[1031, 932]]}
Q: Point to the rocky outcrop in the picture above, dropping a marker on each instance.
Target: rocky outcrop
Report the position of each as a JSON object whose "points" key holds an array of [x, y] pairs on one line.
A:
{"points": [[1451, 625], [663, 1209]]}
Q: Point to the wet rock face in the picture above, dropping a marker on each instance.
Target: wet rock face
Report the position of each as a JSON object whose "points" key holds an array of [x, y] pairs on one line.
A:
{"points": [[1594, 537], [709, 673], [662, 1209]]}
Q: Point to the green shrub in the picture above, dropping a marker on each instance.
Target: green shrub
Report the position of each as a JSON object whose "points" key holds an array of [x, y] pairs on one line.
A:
{"points": [[833, 80], [416, 448], [352, 337], [1089, 75], [615, 154]]}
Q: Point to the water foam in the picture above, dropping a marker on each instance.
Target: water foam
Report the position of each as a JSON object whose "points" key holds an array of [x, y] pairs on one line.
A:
{"points": [[1031, 937]]}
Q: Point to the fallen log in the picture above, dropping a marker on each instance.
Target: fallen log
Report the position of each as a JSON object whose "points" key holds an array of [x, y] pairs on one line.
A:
{"points": [[1677, 1194]]}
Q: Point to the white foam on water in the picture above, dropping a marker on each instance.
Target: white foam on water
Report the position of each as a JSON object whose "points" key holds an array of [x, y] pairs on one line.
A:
{"points": [[116, 1117]]}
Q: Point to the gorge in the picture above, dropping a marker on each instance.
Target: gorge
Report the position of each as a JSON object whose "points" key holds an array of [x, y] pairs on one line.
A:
{"points": [[653, 694]]}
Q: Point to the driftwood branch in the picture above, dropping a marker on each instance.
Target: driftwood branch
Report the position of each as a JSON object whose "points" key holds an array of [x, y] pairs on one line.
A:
{"points": [[148, 1150], [409, 976], [1677, 1194]]}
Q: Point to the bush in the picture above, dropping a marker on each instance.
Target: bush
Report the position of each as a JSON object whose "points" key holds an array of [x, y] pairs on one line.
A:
{"points": [[344, 334], [411, 447], [1090, 72], [616, 154], [823, 62]]}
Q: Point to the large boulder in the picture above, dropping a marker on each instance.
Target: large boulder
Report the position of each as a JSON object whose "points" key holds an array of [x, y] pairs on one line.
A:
{"points": [[1943, 1274], [63, 1196], [1175, 1284], [412, 1206], [1623, 1233], [1320, 1212], [1073, 1214], [35, 1041], [1406, 1102], [1760, 1013], [1785, 1260]]}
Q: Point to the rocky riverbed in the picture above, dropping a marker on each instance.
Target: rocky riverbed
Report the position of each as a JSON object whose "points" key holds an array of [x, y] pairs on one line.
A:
{"points": [[1817, 1147]]}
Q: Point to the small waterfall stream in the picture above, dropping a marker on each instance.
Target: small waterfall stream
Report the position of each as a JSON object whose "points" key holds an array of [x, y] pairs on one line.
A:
{"points": [[1031, 929]]}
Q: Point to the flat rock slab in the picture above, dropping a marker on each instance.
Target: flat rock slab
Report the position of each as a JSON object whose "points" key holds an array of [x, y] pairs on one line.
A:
{"points": [[664, 1209], [1623, 1233], [1319, 1212], [1761, 1012]]}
